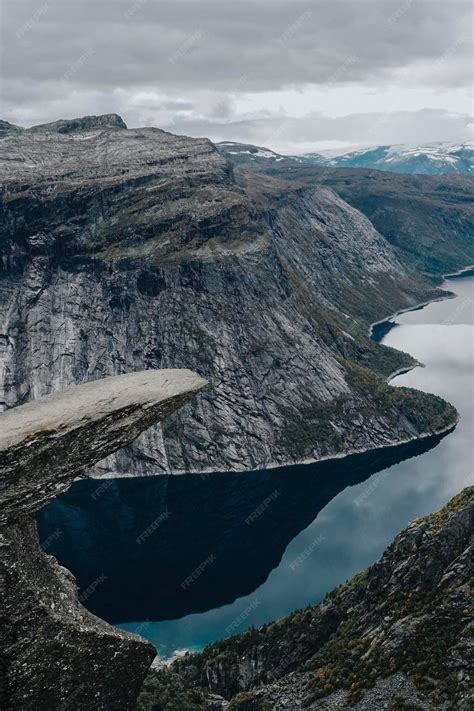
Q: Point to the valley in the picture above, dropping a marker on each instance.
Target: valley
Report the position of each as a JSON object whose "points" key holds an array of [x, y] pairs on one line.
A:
{"points": [[128, 250], [132, 248]]}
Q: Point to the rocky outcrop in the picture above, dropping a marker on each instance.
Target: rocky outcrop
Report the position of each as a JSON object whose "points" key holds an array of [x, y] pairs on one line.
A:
{"points": [[125, 249], [54, 653], [86, 123], [398, 635]]}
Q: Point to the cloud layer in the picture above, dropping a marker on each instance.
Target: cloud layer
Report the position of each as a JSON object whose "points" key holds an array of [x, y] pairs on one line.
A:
{"points": [[215, 66]]}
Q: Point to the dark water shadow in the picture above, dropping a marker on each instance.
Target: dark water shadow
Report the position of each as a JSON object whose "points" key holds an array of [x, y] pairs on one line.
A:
{"points": [[157, 548], [380, 330]]}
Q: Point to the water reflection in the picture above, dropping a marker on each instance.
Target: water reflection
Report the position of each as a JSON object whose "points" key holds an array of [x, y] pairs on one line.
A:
{"points": [[164, 547], [327, 522]]}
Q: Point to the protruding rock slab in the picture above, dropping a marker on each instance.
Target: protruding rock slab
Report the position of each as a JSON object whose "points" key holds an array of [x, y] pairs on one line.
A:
{"points": [[54, 653], [46, 443]]}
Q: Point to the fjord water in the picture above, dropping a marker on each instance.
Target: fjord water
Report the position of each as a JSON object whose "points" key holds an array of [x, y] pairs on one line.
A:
{"points": [[186, 560]]}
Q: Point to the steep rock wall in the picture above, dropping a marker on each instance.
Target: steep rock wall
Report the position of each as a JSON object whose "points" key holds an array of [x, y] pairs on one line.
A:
{"points": [[54, 653], [130, 249]]}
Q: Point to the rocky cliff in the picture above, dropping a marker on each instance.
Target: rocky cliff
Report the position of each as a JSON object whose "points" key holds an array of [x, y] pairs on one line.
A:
{"points": [[428, 220], [53, 653], [398, 636], [133, 248]]}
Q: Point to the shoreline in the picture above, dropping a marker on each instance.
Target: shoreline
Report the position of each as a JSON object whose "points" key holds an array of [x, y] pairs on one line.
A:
{"points": [[448, 295], [350, 452], [302, 462], [460, 272], [422, 304], [415, 307], [402, 371]]}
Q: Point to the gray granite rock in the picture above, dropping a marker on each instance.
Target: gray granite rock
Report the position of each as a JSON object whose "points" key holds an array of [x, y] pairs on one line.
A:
{"points": [[125, 249], [54, 653], [46, 443]]}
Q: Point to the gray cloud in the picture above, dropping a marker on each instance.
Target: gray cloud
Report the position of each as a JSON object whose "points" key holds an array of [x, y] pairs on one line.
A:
{"points": [[263, 44], [183, 64], [297, 134]]}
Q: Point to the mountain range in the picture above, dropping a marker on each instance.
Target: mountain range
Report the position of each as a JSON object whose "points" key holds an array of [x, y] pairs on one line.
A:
{"points": [[430, 159]]}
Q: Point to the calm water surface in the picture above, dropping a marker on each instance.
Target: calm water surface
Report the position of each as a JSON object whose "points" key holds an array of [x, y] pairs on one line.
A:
{"points": [[193, 559]]}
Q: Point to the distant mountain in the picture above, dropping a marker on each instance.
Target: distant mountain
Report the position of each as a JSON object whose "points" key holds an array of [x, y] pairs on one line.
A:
{"points": [[312, 159], [245, 153], [431, 159], [7, 128]]}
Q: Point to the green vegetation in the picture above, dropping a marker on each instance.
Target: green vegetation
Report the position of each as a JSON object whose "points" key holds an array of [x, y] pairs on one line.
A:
{"points": [[219, 431], [399, 703], [256, 347], [312, 426], [19, 326], [456, 504], [316, 425], [249, 701], [331, 643], [166, 691], [171, 428], [437, 619], [350, 662], [384, 360], [428, 413], [347, 337]]}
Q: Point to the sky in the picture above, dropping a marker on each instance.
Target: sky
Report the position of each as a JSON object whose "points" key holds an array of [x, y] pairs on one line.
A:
{"points": [[293, 75]]}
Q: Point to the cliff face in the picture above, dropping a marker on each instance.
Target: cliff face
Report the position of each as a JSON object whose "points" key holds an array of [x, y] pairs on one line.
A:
{"points": [[428, 219], [398, 634], [54, 653], [127, 249]]}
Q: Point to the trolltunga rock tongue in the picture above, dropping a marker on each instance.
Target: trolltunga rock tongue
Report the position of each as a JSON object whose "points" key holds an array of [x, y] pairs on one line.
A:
{"points": [[46, 443], [58, 655]]}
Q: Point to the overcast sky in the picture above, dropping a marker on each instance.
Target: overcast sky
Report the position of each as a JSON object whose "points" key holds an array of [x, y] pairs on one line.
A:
{"points": [[294, 75]]}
